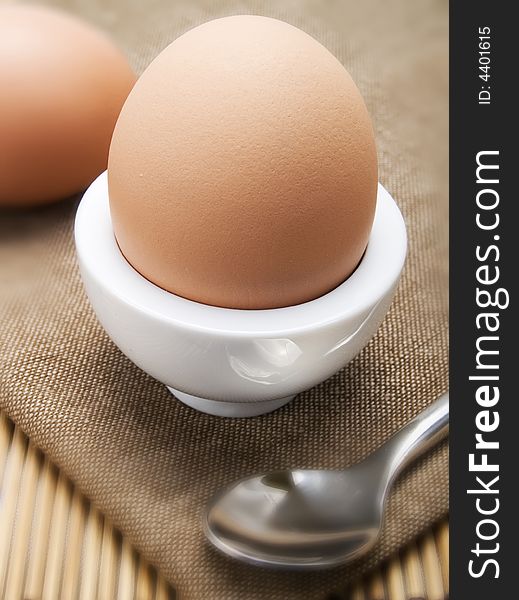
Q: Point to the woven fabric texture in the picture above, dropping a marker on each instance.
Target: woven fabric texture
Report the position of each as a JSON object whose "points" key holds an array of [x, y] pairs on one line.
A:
{"points": [[151, 463]]}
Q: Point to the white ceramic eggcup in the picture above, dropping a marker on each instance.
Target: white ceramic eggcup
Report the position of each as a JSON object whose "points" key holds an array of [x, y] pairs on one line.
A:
{"points": [[228, 362]]}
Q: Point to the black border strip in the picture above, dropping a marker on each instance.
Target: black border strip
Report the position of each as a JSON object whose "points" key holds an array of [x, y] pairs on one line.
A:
{"points": [[483, 128]]}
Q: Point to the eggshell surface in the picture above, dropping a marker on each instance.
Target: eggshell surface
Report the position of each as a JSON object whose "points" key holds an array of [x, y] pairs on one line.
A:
{"points": [[242, 171], [62, 85]]}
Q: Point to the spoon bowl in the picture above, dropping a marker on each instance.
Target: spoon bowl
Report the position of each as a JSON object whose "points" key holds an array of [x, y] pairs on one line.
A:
{"points": [[317, 518], [296, 518]]}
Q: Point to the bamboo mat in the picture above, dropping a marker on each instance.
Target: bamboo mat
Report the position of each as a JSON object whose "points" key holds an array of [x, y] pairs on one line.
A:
{"points": [[54, 544]]}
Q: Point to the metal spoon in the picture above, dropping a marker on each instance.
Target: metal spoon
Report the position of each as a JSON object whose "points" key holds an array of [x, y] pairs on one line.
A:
{"points": [[314, 518]]}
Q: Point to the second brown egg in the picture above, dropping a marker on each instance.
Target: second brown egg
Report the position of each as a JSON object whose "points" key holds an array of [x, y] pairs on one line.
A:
{"points": [[62, 85]]}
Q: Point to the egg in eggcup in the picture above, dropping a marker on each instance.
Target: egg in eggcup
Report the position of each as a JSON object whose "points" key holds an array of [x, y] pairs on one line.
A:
{"points": [[240, 249]]}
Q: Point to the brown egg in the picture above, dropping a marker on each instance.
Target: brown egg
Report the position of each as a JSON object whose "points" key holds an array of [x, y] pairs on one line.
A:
{"points": [[242, 171], [62, 85]]}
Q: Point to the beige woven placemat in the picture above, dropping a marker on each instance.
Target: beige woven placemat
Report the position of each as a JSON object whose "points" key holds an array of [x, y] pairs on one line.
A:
{"points": [[150, 463]]}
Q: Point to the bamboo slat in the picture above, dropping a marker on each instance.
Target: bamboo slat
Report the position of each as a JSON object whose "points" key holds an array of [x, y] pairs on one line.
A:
{"points": [[419, 572]]}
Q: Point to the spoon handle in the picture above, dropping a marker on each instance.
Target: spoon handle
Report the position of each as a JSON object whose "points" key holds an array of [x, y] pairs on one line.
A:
{"points": [[415, 438]]}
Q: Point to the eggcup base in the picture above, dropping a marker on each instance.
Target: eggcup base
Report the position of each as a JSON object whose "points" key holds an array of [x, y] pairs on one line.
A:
{"points": [[230, 409]]}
